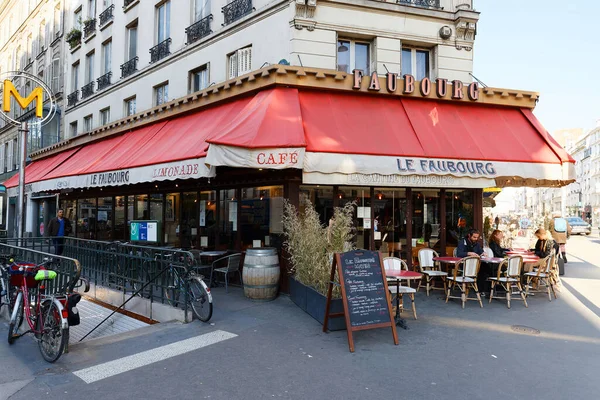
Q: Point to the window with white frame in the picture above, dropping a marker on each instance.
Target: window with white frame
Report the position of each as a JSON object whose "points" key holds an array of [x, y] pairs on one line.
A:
{"points": [[106, 57], [56, 83], [41, 38], [132, 41], [91, 8], [75, 76], [199, 78], [29, 48], [77, 19], [57, 21], [104, 116], [89, 67], [163, 21], [15, 154], [353, 54], [88, 123], [415, 62], [130, 106], [73, 128], [201, 9], [2, 158], [239, 62], [161, 94], [8, 156]]}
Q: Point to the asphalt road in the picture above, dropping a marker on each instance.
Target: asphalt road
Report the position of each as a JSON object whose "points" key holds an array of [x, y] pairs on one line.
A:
{"points": [[274, 350]]}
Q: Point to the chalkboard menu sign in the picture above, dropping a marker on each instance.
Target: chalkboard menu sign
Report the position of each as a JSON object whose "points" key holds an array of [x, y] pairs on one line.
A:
{"points": [[364, 293]]}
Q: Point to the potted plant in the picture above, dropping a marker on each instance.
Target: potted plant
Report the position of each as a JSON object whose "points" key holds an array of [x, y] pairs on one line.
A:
{"points": [[73, 38], [310, 247]]}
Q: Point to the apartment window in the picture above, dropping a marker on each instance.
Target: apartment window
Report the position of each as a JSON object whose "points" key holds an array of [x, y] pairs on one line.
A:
{"points": [[239, 62], [73, 128], [415, 62], [75, 76], [201, 9], [56, 83], [19, 58], [8, 152], [106, 57], [163, 16], [132, 41], [104, 116], [88, 123], [91, 8], [29, 49], [57, 21], [161, 94], [353, 55], [199, 78], [89, 67], [41, 38], [2, 158], [15, 154], [130, 106], [77, 19]]}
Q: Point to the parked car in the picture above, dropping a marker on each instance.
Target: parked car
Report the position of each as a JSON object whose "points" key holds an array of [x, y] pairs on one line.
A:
{"points": [[579, 226]]}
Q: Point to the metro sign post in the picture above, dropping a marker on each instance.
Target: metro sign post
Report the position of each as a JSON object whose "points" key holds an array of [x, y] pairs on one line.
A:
{"points": [[9, 91]]}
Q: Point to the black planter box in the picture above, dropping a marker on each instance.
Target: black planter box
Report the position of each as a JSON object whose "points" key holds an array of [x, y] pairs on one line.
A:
{"points": [[313, 303]]}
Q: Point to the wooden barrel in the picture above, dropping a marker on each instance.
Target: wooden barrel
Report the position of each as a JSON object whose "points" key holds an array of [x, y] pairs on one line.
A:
{"points": [[261, 273]]}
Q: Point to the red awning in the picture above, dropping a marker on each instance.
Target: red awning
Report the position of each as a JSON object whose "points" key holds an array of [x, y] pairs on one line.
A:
{"points": [[37, 169]]}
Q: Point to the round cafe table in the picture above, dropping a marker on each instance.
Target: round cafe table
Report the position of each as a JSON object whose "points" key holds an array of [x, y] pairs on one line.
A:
{"points": [[447, 261], [401, 275]]}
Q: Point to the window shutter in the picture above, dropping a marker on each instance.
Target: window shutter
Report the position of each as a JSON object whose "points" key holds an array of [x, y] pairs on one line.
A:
{"points": [[47, 36], [233, 65], [56, 75], [9, 156], [2, 158], [244, 60]]}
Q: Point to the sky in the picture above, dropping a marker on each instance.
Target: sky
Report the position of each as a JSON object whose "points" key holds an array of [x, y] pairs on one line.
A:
{"points": [[547, 46]]}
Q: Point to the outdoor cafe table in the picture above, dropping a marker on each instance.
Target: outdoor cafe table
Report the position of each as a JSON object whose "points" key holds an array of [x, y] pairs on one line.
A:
{"points": [[401, 275], [210, 256]]}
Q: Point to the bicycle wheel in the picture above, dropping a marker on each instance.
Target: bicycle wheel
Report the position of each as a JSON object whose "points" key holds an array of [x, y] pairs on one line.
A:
{"points": [[200, 299], [53, 337], [15, 322]]}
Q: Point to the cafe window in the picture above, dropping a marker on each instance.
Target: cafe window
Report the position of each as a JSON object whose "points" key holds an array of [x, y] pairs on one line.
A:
{"points": [[86, 218], [156, 208], [227, 219], [119, 232], [352, 55], [321, 197], [459, 215], [207, 219], [141, 207], [69, 208], [261, 216], [426, 217], [415, 62], [389, 226], [104, 220], [172, 227], [361, 196]]}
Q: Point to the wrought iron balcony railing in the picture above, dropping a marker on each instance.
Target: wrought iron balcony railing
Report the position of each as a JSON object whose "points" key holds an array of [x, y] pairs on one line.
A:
{"points": [[72, 98], [127, 3], [198, 30], [89, 27], [106, 15], [160, 51], [421, 3], [87, 90], [129, 67], [104, 81], [236, 10]]}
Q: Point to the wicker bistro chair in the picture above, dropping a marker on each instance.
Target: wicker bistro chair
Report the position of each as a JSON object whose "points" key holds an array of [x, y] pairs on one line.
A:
{"points": [[466, 280], [509, 278], [430, 270], [232, 262], [542, 276], [488, 252], [396, 264]]}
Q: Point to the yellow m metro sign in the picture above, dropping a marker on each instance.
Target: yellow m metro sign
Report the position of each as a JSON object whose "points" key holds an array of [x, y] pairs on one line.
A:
{"points": [[37, 94]]}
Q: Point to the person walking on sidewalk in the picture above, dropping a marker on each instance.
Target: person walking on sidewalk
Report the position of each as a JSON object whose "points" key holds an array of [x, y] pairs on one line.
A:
{"points": [[58, 228], [560, 231]]}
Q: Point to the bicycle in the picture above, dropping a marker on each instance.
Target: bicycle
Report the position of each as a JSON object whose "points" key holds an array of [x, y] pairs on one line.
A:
{"points": [[7, 291], [47, 315], [196, 292]]}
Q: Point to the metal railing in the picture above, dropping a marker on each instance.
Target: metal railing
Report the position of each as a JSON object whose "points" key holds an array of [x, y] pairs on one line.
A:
{"points": [[104, 81], [236, 10], [160, 51], [421, 3], [106, 15], [129, 67], [198, 30], [72, 98], [154, 272], [87, 90], [68, 270], [89, 27]]}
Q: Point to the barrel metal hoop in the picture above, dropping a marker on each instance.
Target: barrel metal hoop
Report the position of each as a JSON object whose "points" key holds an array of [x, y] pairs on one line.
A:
{"points": [[261, 286]]}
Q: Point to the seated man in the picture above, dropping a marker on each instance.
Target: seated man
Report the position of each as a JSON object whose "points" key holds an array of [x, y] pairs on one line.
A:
{"points": [[469, 246]]}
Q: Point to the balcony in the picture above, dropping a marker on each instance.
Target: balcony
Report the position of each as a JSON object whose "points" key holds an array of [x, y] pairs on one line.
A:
{"points": [[104, 81], [198, 30], [73, 98], [421, 3], [89, 28], [160, 51], [87, 90], [236, 10], [106, 15], [129, 67]]}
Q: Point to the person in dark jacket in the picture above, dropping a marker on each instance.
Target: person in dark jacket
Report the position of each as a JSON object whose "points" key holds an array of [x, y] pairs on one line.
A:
{"points": [[469, 246], [544, 245], [58, 228], [495, 243]]}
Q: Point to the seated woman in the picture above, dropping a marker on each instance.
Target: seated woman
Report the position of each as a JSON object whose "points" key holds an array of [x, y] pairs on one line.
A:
{"points": [[543, 248], [494, 242]]}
